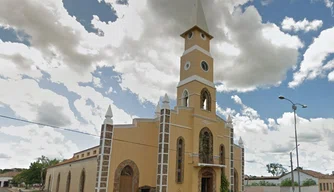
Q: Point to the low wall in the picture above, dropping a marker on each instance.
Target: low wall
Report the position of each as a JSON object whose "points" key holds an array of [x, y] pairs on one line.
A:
{"points": [[279, 189], [262, 189], [303, 189]]}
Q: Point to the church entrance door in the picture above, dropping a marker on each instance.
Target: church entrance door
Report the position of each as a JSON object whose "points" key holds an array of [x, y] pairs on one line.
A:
{"points": [[126, 184], [207, 180], [207, 184]]}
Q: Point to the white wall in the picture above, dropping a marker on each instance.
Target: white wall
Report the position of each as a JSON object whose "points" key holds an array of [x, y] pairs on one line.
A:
{"points": [[3, 179], [303, 177], [275, 181]]}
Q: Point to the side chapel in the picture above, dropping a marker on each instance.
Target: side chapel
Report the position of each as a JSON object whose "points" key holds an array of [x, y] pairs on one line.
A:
{"points": [[184, 149]]}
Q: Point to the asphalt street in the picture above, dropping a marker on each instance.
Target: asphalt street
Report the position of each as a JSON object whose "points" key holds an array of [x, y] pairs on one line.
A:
{"points": [[3, 190]]}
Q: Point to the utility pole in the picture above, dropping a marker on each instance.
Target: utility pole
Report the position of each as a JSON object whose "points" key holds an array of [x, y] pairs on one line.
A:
{"points": [[292, 179]]}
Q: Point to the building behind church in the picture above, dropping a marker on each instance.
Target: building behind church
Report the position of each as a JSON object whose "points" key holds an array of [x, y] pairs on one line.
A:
{"points": [[181, 149]]}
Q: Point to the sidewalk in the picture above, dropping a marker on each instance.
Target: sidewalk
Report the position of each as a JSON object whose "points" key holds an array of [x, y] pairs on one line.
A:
{"points": [[14, 189]]}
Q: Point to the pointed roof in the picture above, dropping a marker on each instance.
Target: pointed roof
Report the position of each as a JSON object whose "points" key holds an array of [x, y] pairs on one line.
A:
{"points": [[157, 109], [108, 116], [165, 102], [229, 119], [241, 142], [199, 16], [198, 19]]}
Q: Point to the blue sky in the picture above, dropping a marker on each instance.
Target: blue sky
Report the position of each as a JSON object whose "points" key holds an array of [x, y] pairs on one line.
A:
{"points": [[65, 67]]}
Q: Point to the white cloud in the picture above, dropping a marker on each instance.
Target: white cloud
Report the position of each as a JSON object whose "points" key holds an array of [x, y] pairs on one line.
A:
{"points": [[236, 99], [314, 57], [274, 144], [331, 76], [32, 142], [109, 90], [289, 24], [329, 4]]}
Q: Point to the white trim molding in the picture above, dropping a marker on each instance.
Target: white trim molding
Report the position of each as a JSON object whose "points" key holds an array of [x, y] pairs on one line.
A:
{"points": [[210, 165], [196, 47], [196, 78]]}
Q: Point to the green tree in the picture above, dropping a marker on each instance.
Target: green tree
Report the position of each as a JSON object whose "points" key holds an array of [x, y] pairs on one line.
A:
{"points": [[276, 169], [36, 172], [309, 182], [45, 162], [266, 183], [224, 183], [288, 183]]}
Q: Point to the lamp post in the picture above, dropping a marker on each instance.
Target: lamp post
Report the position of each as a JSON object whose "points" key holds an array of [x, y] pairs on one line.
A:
{"points": [[292, 178], [294, 108]]}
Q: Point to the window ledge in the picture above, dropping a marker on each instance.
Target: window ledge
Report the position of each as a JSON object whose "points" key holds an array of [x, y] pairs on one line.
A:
{"points": [[209, 165]]}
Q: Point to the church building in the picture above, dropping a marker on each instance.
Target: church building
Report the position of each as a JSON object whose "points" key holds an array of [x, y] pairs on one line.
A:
{"points": [[182, 149]]}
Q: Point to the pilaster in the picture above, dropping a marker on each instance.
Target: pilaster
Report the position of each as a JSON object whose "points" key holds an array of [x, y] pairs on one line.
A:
{"points": [[104, 157], [163, 153]]}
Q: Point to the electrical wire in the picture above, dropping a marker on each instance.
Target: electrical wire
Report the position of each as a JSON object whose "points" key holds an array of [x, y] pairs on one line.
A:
{"points": [[47, 125], [71, 130]]}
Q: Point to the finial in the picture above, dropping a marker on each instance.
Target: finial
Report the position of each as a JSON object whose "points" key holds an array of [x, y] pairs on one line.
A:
{"points": [[229, 119], [229, 122], [157, 110], [108, 116], [241, 142], [165, 102]]}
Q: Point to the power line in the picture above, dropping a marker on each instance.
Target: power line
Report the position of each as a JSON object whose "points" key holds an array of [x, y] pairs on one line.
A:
{"points": [[71, 130], [46, 125]]}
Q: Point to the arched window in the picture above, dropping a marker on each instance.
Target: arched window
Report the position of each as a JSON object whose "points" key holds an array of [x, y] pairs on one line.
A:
{"points": [[222, 157], [185, 98], [205, 99], [58, 182], [82, 181], [49, 184], [68, 182], [179, 160], [205, 146]]}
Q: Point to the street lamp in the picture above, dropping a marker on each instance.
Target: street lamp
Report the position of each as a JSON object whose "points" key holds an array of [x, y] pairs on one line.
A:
{"points": [[294, 107], [292, 178]]}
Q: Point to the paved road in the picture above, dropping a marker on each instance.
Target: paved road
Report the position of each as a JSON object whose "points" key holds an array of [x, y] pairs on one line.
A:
{"points": [[3, 190]]}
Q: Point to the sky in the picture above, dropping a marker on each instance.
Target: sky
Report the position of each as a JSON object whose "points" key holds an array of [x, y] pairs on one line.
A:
{"points": [[64, 62]]}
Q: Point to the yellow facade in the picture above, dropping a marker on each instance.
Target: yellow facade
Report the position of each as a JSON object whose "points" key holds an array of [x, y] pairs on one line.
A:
{"points": [[184, 149]]}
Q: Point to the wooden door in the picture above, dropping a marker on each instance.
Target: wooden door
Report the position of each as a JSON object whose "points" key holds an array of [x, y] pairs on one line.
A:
{"points": [[126, 183]]}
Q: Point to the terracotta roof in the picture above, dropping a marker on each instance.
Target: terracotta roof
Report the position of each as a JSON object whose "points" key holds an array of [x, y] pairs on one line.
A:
{"points": [[72, 160], [314, 174], [10, 174], [262, 178], [86, 150]]}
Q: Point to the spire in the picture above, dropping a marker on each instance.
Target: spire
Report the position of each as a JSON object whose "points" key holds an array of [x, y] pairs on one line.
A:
{"points": [[197, 19], [157, 110], [241, 142], [165, 102], [198, 16], [108, 116], [229, 119], [229, 122]]}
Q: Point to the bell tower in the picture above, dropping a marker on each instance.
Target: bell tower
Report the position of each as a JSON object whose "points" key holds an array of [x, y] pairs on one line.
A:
{"points": [[196, 88]]}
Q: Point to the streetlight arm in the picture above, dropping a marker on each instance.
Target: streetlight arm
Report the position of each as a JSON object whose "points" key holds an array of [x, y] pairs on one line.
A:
{"points": [[289, 100], [304, 106]]}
